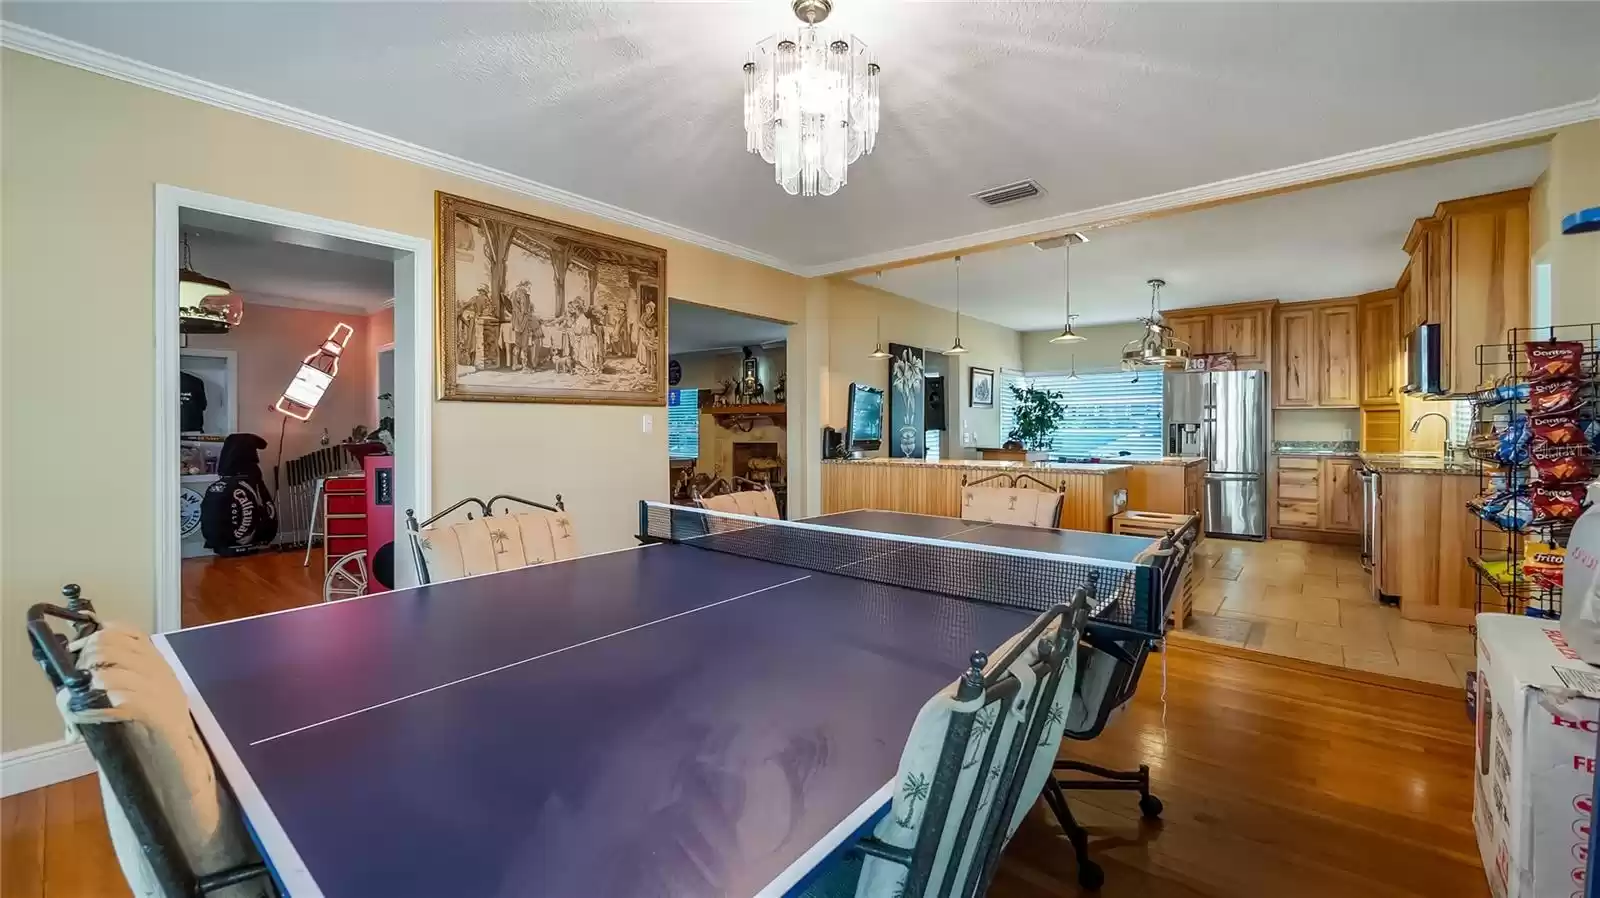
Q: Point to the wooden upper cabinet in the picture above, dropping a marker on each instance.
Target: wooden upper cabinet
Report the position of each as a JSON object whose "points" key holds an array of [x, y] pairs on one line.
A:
{"points": [[1243, 332], [1483, 262], [1293, 370], [1338, 368], [1341, 494], [1422, 302], [1381, 358], [1193, 330]]}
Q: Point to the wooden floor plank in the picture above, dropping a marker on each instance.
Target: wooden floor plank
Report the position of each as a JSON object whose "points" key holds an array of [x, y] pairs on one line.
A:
{"points": [[22, 833]]}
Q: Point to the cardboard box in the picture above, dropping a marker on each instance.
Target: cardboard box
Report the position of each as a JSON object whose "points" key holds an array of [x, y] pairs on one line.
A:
{"points": [[1538, 719]]}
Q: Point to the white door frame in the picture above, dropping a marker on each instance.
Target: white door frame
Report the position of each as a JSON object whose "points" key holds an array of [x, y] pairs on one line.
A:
{"points": [[414, 360]]}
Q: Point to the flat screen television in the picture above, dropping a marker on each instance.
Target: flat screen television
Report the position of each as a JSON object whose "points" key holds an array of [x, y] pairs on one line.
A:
{"points": [[865, 430]]}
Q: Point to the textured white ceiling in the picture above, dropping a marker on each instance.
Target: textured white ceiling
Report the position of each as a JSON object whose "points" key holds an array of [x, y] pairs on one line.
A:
{"points": [[638, 104], [692, 328], [279, 273], [1337, 240]]}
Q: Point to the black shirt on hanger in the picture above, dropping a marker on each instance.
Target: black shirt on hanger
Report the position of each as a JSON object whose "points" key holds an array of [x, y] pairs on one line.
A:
{"points": [[191, 403]]}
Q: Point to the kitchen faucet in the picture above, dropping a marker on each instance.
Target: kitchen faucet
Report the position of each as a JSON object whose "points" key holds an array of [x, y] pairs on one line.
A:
{"points": [[1418, 423]]}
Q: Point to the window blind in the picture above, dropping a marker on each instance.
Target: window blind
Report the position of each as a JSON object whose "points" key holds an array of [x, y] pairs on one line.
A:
{"points": [[1107, 412], [683, 424]]}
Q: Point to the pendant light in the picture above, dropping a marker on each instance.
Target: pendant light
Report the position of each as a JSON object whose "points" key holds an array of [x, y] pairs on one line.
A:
{"points": [[1158, 348], [1068, 335], [877, 349], [957, 349], [193, 287], [1074, 373]]}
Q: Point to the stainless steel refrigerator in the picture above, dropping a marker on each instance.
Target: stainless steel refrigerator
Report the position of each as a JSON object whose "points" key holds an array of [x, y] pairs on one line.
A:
{"points": [[1221, 416]]}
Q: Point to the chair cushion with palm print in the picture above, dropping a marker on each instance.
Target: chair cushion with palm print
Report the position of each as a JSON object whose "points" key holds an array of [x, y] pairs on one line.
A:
{"points": [[1003, 506], [147, 698], [545, 536], [1063, 704], [914, 780], [1092, 691]]}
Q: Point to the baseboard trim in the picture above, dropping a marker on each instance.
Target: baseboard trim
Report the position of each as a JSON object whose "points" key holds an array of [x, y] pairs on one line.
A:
{"points": [[1331, 537], [38, 766]]}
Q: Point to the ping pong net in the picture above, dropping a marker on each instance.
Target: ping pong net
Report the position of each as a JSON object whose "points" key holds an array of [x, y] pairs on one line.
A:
{"points": [[1123, 595]]}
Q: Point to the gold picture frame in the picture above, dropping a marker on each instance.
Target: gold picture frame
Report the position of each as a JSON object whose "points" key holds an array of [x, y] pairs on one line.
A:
{"points": [[532, 310]]}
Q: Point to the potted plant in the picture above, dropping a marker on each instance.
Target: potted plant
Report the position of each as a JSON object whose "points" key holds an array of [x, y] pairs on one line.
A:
{"points": [[1039, 413]]}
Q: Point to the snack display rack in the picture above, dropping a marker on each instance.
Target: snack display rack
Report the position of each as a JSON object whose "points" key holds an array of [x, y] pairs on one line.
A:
{"points": [[1510, 535]]}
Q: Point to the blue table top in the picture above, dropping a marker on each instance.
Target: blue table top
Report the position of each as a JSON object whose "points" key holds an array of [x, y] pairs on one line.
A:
{"points": [[660, 721]]}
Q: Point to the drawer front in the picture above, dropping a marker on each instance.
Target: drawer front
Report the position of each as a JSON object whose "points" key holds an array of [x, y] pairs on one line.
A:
{"points": [[1300, 485], [1299, 463], [1298, 513]]}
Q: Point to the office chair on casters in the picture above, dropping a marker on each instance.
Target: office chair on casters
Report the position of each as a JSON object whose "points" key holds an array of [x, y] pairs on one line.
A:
{"points": [[1109, 667]]}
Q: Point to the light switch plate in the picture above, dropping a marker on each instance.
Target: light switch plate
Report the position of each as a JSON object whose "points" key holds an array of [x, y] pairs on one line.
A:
{"points": [[648, 424]]}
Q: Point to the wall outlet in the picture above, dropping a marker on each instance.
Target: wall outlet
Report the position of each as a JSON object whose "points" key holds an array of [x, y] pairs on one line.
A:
{"points": [[648, 424]]}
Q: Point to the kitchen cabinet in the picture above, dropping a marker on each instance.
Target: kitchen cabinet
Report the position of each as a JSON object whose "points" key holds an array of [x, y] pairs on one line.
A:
{"points": [[1195, 331], [1294, 385], [1167, 487], [1427, 536], [1315, 356], [1382, 360], [1341, 495], [1244, 329], [1483, 261], [1381, 430], [1468, 273], [1319, 494]]}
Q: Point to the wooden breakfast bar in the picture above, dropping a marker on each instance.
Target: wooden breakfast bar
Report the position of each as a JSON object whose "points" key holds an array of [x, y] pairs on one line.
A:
{"points": [[1091, 493]]}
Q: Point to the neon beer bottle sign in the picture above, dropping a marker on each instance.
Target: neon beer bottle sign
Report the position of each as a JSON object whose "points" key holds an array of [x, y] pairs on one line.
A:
{"points": [[314, 376]]}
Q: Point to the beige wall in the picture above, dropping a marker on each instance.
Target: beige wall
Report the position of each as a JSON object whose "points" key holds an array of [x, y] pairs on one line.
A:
{"points": [[854, 312], [1101, 349], [1570, 184], [81, 157]]}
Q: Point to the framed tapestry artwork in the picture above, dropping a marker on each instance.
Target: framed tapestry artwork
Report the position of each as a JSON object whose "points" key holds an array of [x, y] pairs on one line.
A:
{"points": [[980, 387], [531, 310]]}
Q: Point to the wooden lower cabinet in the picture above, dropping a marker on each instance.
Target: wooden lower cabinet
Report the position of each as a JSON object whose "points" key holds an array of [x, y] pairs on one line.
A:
{"points": [[1427, 537], [1090, 492], [1341, 495], [1169, 489], [1318, 494]]}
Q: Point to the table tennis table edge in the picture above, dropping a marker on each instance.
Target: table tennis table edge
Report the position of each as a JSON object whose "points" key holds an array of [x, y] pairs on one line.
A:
{"points": [[283, 861], [855, 826]]}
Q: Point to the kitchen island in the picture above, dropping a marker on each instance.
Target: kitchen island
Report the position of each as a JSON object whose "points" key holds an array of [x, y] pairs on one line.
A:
{"points": [[1091, 493], [1426, 535]]}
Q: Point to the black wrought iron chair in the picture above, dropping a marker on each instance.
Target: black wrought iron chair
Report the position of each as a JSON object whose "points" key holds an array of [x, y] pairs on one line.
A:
{"points": [[415, 528], [1108, 677], [119, 764], [981, 784]]}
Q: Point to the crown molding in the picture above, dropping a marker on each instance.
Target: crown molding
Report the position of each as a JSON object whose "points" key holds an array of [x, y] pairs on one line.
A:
{"points": [[308, 305], [92, 59], [1473, 138]]}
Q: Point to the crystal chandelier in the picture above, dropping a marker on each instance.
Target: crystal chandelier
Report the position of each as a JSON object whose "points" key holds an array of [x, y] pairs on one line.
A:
{"points": [[811, 103], [1157, 348]]}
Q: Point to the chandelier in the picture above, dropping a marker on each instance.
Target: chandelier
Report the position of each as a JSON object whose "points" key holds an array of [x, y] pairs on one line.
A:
{"points": [[1157, 348], [811, 103]]}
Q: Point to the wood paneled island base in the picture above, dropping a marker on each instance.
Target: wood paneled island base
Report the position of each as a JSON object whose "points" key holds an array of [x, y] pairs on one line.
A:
{"points": [[924, 487]]}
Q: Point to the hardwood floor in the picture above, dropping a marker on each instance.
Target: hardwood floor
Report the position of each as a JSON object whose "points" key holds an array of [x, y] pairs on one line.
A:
{"points": [[217, 589], [1277, 782]]}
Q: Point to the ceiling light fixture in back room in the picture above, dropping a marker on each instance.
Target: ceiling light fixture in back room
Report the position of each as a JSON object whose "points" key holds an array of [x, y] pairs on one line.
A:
{"points": [[1065, 242], [957, 349], [1157, 348], [811, 103], [877, 348]]}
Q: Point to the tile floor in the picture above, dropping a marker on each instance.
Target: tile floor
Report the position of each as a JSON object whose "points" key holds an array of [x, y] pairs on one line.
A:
{"points": [[1313, 602]]}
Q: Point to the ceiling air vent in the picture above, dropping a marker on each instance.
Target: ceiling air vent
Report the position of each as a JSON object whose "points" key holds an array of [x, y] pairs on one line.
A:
{"points": [[1009, 193]]}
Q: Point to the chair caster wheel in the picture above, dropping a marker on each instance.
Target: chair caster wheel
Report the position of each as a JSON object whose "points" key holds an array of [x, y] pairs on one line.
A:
{"points": [[1150, 806], [1090, 876]]}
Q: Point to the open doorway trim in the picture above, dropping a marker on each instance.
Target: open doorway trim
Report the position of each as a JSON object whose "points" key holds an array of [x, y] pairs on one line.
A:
{"points": [[413, 324]]}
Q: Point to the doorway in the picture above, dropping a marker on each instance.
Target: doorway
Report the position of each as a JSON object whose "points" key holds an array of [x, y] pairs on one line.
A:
{"points": [[727, 403], [274, 331]]}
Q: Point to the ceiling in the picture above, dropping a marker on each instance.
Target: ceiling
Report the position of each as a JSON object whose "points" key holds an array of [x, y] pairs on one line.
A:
{"points": [[278, 273], [1337, 240], [638, 105], [692, 328]]}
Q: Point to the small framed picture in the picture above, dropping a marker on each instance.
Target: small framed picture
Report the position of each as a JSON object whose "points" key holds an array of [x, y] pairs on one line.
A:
{"points": [[980, 388]]}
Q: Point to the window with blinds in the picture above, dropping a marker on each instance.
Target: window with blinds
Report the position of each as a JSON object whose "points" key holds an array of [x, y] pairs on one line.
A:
{"points": [[683, 424], [1107, 413]]}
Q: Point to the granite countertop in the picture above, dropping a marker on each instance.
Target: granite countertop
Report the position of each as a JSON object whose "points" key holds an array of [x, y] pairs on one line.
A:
{"points": [[980, 464], [1320, 448], [1401, 463]]}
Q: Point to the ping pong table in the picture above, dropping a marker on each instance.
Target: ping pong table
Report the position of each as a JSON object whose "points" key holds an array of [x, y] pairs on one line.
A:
{"points": [[662, 720]]}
